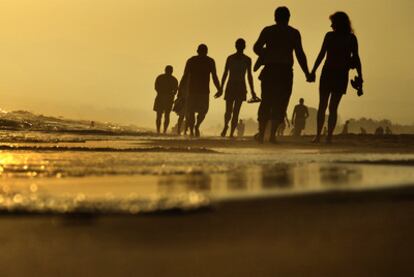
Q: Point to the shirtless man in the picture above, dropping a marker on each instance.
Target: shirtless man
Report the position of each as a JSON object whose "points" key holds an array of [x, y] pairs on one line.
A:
{"points": [[197, 73], [275, 47], [166, 86], [299, 116], [237, 65]]}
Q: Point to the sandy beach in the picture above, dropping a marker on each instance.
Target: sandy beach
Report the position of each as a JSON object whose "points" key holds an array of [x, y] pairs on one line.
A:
{"points": [[278, 220]]}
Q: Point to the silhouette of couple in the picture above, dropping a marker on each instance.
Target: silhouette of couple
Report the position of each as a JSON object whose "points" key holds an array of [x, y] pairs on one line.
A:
{"points": [[275, 47]]}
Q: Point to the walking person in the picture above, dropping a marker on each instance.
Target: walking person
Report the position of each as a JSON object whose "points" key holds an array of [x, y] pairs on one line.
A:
{"points": [[299, 116], [341, 50], [166, 86], [237, 66], [275, 47], [197, 72]]}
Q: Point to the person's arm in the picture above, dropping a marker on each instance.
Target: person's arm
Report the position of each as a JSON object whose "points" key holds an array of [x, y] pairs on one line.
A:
{"points": [[306, 112], [320, 57], [157, 84], [224, 78], [184, 78], [259, 47], [356, 58], [215, 79], [175, 89], [300, 55], [293, 115], [250, 78]]}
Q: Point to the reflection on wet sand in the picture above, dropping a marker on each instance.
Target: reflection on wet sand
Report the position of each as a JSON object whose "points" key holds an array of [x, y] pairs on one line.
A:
{"points": [[287, 178]]}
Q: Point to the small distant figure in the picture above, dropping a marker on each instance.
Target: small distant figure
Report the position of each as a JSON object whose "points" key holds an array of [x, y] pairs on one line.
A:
{"points": [[345, 130], [92, 124], [197, 72], [282, 126], [237, 66], [341, 50], [379, 131], [275, 47], [299, 116], [166, 86], [388, 130], [363, 131], [240, 129]]}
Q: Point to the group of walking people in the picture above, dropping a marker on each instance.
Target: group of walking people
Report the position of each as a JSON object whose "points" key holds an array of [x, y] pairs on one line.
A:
{"points": [[275, 48]]}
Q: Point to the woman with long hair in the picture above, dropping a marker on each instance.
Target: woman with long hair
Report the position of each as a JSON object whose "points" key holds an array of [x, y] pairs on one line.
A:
{"points": [[341, 50]]}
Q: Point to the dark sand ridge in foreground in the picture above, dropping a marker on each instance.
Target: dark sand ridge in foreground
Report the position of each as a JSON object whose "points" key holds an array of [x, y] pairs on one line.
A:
{"points": [[317, 236]]}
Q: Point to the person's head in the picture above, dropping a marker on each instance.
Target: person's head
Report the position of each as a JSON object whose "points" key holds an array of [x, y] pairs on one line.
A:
{"points": [[240, 45], [340, 22], [240, 121], [168, 69], [282, 15], [202, 50], [301, 101]]}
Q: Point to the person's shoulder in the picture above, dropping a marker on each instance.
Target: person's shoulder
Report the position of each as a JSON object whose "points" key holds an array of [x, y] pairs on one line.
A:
{"points": [[210, 59], [269, 28]]}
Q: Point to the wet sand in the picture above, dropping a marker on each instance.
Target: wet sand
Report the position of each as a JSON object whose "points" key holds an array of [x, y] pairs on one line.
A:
{"points": [[358, 233], [333, 235]]}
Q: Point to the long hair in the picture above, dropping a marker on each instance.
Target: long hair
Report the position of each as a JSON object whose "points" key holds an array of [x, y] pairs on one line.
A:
{"points": [[341, 22]]}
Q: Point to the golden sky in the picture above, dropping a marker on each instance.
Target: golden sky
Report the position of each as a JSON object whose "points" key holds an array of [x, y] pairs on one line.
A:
{"points": [[97, 59]]}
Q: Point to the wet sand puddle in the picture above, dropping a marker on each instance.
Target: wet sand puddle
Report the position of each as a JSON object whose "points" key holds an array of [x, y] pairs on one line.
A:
{"points": [[158, 179]]}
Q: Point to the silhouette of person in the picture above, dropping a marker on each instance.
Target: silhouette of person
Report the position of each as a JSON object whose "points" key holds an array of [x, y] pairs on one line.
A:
{"points": [[379, 131], [345, 130], [240, 128], [388, 130], [197, 73], [166, 86], [299, 116], [237, 65], [341, 50], [282, 126], [275, 47], [363, 131], [180, 107]]}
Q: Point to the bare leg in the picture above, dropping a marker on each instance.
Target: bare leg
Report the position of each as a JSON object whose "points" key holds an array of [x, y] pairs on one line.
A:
{"points": [[333, 113], [200, 119], [227, 116], [166, 121], [323, 104], [158, 121], [190, 118], [179, 124], [275, 125], [235, 118]]}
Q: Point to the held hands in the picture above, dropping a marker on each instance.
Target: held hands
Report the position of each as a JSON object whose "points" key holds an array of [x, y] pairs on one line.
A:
{"points": [[310, 77], [218, 93]]}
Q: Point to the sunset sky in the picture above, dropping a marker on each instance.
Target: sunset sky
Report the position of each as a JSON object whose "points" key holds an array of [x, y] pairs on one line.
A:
{"points": [[97, 59]]}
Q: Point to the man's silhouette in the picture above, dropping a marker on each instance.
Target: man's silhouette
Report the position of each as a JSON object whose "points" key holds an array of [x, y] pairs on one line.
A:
{"points": [[237, 65], [166, 86], [275, 48], [197, 73], [300, 113]]}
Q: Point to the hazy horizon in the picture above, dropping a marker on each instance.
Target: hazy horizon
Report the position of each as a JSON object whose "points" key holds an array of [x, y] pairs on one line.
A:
{"points": [[98, 59]]}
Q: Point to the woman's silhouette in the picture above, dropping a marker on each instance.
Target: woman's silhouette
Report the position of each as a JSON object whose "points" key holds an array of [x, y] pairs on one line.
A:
{"points": [[341, 50]]}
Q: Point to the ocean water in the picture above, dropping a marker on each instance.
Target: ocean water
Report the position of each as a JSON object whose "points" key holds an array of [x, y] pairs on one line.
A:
{"points": [[89, 172]]}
